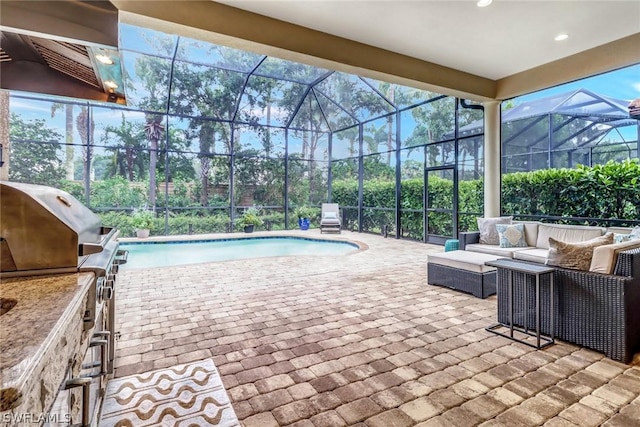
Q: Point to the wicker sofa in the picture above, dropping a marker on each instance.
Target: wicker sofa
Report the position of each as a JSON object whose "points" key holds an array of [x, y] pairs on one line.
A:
{"points": [[592, 309], [537, 238]]}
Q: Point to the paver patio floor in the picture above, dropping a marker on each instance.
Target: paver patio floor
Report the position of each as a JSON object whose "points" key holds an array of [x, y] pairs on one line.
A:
{"points": [[360, 340]]}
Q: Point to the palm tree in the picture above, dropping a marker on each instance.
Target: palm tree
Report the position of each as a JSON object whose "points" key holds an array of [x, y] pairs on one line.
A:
{"points": [[154, 131], [127, 141], [86, 128], [68, 161]]}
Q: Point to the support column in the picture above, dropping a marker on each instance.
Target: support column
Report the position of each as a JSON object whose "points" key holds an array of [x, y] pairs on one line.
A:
{"points": [[492, 167], [4, 135]]}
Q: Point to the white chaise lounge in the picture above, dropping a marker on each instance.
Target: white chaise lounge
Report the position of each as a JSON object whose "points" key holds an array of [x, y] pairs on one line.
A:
{"points": [[330, 219]]}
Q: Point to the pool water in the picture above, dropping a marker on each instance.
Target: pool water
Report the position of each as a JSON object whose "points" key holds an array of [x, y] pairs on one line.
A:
{"points": [[162, 254]]}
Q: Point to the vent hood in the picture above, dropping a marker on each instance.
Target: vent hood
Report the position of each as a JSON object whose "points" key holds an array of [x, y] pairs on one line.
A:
{"points": [[53, 48]]}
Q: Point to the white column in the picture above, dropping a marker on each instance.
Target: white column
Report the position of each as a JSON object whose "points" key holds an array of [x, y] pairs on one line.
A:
{"points": [[4, 134], [492, 158]]}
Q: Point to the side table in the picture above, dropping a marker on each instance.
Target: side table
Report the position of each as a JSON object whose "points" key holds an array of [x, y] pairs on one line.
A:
{"points": [[536, 271]]}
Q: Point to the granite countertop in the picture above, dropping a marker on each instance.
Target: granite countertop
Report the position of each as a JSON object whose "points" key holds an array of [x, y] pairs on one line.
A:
{"points": [[29, 328]]}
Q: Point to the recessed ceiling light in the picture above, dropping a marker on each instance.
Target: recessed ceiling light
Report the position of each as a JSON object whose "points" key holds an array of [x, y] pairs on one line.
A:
{"points": [[111, 84], [484, 3], [561, 37], [104, 59]]}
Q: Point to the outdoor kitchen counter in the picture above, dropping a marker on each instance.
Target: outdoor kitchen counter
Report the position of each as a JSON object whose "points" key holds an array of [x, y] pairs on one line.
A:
{"points": [[47, 309]]}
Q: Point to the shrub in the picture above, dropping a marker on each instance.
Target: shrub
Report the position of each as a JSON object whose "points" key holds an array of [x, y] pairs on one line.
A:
{"points": [[142, 219], [250, 217]]}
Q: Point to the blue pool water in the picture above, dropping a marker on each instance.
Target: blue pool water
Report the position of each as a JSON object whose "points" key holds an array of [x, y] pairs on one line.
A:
{"points": [[162, 254]]}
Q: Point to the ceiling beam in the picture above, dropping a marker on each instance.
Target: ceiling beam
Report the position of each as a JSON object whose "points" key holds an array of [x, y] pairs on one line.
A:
{"points": [[95, 22], [608, 57]]}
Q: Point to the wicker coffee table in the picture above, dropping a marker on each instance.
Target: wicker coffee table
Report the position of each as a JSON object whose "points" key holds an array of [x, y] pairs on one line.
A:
{"points": [[463, 271]]}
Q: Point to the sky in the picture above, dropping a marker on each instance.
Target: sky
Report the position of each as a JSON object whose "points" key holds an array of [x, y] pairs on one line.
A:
{"points": [[621, 84]]}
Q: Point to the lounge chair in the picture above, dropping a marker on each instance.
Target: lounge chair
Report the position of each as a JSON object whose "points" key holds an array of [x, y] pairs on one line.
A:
{"points": [[330, 219]]}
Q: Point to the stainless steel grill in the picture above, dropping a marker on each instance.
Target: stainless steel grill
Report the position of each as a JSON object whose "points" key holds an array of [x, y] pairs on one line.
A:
{"points": [[45, 230]]}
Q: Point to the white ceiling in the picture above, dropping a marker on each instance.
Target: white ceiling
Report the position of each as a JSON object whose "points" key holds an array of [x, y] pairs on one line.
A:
{"points": [[503, 39]]}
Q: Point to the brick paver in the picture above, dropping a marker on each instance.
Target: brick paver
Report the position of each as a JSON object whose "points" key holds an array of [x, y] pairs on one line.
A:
{"points": [[359, 340]]}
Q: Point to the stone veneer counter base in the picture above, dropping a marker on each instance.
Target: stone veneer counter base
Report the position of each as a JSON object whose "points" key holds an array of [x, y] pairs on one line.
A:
{"points": [[33, 357]]}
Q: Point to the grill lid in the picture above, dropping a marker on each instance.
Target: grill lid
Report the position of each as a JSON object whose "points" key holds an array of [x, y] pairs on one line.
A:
{"points": [[44, 228]]}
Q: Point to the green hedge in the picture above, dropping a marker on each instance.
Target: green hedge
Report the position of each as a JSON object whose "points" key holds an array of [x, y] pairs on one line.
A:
{"points": [[178, 224], [610, 191], [381, 194], [604, 191]]}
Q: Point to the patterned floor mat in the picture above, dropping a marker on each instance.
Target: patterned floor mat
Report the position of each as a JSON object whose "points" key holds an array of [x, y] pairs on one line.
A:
{"points": [[188, 395]]}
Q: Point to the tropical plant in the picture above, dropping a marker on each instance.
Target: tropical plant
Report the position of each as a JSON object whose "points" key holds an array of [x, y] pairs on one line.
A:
{"points": [[304, 212], [250, 217], [142, 219], [126, 142], [117, 192]]}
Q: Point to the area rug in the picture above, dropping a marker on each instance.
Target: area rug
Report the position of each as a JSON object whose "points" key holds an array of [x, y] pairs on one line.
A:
{"points": [[184, 395]]}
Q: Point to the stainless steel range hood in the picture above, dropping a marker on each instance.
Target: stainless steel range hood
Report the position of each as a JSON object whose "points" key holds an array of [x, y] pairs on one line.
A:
{"points": [[50, 47]]}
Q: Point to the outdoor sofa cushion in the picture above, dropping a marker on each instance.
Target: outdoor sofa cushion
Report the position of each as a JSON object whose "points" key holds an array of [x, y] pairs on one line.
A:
{"points": [[462, 260], [605, 257], [487, 227], [494, 249], [533, 255], [566, 233], [530, 231], [576, 256]]}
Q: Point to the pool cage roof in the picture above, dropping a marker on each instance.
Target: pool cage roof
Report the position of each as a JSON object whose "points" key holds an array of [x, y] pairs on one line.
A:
{"points": [[583, 119], [171, 74], [580, 119]]}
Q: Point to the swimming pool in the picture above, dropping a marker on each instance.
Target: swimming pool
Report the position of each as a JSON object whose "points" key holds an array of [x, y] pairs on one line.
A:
{"points": [[162, 254]]}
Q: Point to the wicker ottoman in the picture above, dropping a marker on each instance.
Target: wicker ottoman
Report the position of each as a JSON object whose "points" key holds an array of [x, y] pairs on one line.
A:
{"points": [[463, 271]]}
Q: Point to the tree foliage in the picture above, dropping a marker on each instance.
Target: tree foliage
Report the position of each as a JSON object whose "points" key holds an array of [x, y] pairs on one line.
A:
{"points": [[35, 153]]}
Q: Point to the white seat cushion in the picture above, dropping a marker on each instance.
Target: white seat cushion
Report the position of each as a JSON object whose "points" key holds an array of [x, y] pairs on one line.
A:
{"points": [[330, 221], [566, 233], [535, 255], [464, 260], [493, 250]]}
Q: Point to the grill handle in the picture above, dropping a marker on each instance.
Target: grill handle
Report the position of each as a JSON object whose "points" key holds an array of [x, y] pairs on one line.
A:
{"points": [[89, 248], [121, 257], [85, 383], [103, 353]]}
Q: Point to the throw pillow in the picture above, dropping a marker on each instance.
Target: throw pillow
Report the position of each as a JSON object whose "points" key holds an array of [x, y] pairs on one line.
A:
{"points": [[488, 231], [330, 215], [619, 238], [633, 235], [575, 255], [511, 235]]}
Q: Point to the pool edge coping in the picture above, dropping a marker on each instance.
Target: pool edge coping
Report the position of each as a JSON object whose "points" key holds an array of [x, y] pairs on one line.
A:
{"points": [[187, 238]]}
